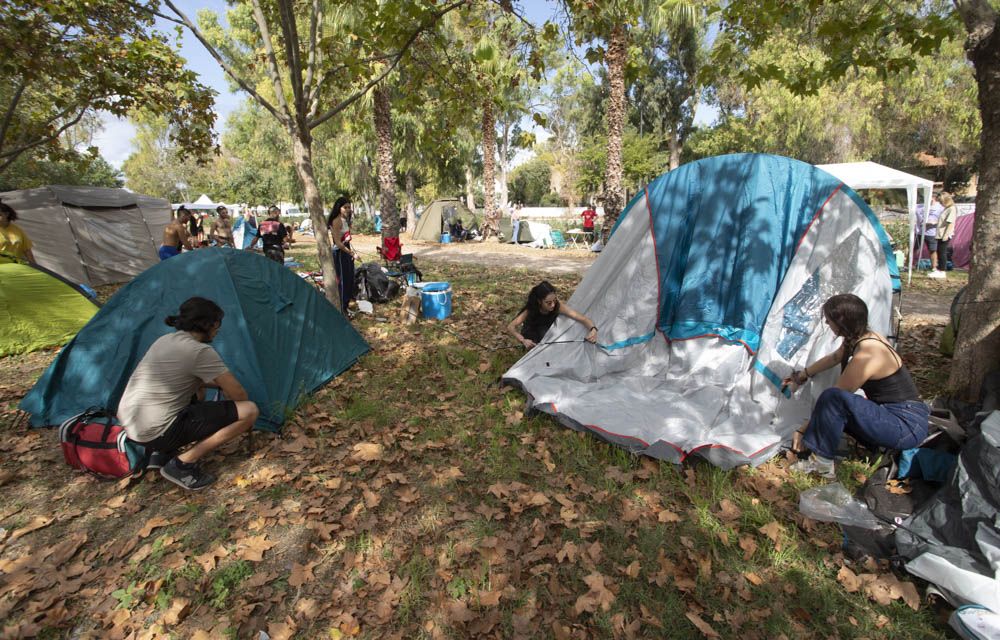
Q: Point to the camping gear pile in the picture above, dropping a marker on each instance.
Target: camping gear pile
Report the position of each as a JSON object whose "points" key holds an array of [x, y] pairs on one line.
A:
{"points": [[280, 338], [935, 509], [707, 295]]}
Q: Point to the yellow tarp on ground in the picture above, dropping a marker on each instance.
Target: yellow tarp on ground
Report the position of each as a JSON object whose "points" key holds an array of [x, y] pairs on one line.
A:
{"points": [[38, 310]]}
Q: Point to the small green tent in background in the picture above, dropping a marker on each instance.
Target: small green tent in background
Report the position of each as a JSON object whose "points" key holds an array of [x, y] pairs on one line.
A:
{"points": [[439, 215], [524, 235], [38, 309]]}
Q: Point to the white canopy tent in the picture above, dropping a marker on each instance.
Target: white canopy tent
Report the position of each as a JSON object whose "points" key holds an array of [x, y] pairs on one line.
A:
{"points": [[203, 203], [872, 175]]}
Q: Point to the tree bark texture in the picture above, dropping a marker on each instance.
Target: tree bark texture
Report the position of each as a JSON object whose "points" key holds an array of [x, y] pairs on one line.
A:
{"points": [[411, 202], [502, 167], [491, 225], [614, 195], [386, 163], [470, 196], [302, 156], [977, 350]]}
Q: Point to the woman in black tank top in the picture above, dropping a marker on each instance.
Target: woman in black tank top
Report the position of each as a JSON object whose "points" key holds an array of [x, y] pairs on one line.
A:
{"points": [[540, 312], [890, 414]]}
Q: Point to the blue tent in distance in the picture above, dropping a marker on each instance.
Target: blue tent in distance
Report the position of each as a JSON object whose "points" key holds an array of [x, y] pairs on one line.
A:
{"points": [[280, 337]]}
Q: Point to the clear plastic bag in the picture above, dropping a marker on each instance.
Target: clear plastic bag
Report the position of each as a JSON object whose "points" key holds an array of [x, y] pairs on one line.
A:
{"points": [[833, 503]]}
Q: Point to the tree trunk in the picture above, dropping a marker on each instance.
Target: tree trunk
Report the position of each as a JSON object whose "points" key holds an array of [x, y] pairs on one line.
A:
{"points": [[675, 146], [491, 225], [302, 156], [470, 196], [386, 165], [411, 201], [977, 350], [614, 195], [504, 151]]}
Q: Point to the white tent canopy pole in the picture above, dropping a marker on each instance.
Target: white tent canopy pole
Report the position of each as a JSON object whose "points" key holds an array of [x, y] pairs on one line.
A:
{"points": [[871, 175]]}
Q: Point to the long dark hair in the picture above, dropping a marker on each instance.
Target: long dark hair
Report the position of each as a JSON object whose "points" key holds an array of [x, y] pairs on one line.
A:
{"points": [[534, 304], [338, 205], [196, 314], [849, 316], [8, 211]]}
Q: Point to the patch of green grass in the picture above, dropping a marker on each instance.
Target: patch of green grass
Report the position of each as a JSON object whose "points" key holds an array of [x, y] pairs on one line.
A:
{"points": [[414, 596], [226, 580]]}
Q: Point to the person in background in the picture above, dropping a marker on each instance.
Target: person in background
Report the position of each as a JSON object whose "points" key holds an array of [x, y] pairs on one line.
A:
{"points": [[927, 223], [538, 314], [589, 215], [176, 235], [221, 230], [890, 414], [272, 235], [339, 224], [945, 232], [196, 228], [515, 222], [163, 405], [14, 243]]}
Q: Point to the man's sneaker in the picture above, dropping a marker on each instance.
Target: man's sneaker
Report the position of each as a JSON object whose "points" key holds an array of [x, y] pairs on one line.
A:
{"points": [[187, 476], [937, 274], [822, 467], [157, 460]]}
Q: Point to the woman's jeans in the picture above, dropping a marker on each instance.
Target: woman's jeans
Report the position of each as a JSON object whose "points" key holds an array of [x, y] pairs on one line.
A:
{"points": [[894, 425], [343, 262]]}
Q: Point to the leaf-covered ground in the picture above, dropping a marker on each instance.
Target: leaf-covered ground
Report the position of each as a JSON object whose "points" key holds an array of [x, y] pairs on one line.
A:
{"points": [[412, 498]]}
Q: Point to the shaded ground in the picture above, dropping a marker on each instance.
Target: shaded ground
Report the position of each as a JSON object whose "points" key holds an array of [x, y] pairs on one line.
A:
{"points": [[411, 498]]}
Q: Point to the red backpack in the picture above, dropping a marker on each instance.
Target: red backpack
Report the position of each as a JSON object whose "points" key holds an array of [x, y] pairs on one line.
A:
{"points": [[94, 442]]}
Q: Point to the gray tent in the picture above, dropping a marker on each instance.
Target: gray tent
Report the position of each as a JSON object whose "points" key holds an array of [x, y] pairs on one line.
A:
{"points": [[437, 217], [91, 235], [524, 235]]}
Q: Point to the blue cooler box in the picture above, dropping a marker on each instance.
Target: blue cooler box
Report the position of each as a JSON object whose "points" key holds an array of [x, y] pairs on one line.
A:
{"points": [[435, 300], [445, 238]]}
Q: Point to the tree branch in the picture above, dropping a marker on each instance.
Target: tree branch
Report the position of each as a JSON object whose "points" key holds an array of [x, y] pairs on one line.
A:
{"points": [[243, 84], [315, 21], [290, 34], [12, 155], [315, 122], [272, 59], [10, 110]]}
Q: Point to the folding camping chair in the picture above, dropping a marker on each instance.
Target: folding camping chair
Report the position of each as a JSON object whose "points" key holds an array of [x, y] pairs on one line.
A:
{"points": [[558, 239]]}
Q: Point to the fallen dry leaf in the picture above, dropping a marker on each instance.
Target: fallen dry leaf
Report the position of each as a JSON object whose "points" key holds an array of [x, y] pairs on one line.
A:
{"points": [[702, 626], [598, 597], [367, 451]]}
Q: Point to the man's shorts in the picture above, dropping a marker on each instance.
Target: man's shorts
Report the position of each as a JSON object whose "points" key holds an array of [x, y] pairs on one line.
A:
{"points": [[931, 243], [194, 423], [168, 252]]}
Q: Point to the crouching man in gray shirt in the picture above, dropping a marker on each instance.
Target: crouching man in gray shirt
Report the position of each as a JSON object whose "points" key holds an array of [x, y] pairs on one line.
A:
{"points": [[163, 409]]}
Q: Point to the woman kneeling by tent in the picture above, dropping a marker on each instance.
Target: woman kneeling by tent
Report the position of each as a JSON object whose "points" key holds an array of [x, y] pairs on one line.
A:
{"points": [[540, 312], [890, 416]]}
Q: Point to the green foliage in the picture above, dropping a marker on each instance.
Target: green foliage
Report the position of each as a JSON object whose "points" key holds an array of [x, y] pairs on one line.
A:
{"points": [[829, 40], [64, 59], [930, 109], [34, 169], [529, 182]]}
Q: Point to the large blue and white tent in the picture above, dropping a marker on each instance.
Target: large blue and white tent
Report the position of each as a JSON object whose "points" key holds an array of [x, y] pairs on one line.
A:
{"points": [[706, 296]]}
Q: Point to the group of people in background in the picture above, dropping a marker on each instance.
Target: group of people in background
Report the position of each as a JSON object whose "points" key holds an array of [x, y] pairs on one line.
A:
{"points": [[187, 232]]}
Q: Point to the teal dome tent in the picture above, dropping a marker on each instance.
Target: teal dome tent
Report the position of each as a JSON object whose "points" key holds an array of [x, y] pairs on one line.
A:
{"points": [[280, 337]]}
